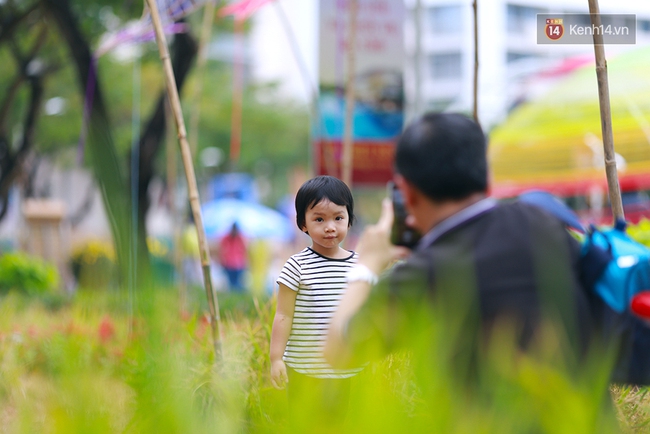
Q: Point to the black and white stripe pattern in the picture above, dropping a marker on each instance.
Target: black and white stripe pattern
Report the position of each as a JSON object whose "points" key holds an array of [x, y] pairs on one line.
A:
{"points": [[320, 283]]}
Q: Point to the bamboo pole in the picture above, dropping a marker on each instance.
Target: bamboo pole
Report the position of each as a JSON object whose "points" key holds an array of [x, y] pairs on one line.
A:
{"points": [[475, 106], [417, 70], [237, 93], [177, 217], [348, 126], [206, 27], [606, 116], [193, 192], [312, 88]]}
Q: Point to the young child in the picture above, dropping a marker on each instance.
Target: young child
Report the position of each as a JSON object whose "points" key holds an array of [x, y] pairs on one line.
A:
{"points": [[311, 285]]}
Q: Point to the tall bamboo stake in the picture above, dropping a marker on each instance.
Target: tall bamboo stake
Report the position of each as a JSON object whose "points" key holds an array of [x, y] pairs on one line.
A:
{"points": [[475, 106], [606, 115], [177, 218], [193, 192], [237, 93], [417, 70], [348, 126], [312, 88], [206, 26]]}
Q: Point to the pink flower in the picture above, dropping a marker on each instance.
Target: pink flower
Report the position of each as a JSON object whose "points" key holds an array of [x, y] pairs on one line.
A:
{"points": [[106, 330]]}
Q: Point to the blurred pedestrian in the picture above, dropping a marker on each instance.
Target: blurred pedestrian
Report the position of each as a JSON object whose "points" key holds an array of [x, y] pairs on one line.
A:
{"points": [[259, 253], [191, 260], [233, 257]]}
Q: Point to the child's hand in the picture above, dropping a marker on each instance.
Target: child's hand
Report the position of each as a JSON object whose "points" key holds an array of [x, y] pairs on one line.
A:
{"points": [[279, 377]]}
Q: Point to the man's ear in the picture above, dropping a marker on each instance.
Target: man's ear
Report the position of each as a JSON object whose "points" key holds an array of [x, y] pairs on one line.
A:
{"points": [[409, 192]]}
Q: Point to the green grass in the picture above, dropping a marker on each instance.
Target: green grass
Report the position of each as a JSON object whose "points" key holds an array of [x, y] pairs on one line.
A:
{"points": [[104, 363]]}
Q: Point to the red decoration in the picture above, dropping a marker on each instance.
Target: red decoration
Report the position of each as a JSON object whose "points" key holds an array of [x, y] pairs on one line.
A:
{"points": [[640, 304], [243, 9]]}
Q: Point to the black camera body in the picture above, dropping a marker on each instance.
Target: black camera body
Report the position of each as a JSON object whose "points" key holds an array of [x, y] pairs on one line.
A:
{"points": [[401, 234]]}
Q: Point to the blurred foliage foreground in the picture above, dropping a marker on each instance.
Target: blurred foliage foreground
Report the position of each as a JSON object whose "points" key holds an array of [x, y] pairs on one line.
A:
{"points": [[92, 366]]}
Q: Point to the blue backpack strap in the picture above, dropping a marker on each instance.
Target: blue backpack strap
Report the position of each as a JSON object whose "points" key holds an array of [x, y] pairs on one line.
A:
{"points": [[593, 260]]}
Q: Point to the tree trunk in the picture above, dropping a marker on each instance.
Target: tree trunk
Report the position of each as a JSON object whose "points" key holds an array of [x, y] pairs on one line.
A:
{"points": [[109, 173], [183, 52], [12, 165], [12, 161]]}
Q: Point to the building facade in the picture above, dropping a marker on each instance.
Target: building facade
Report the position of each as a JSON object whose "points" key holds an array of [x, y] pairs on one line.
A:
{"points": [[440, 71]]}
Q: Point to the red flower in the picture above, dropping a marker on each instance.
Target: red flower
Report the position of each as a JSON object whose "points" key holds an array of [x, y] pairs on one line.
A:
{"points": [[106, 330], [71, 328], [185, 315]]}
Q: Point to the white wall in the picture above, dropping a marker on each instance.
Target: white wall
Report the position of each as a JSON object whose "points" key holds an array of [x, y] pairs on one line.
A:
{"points": [[273, 58]]}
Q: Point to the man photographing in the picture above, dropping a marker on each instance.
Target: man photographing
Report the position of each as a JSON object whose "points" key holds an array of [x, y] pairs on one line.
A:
{"points": [[480, 266]]}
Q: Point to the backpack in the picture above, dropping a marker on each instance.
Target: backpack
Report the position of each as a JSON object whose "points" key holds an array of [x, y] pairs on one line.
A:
{"points": [[614, 268], [627, 273], [617, 268]]}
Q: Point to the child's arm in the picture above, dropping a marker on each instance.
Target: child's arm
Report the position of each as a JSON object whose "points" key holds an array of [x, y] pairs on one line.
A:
{"points": [[280, 335]]}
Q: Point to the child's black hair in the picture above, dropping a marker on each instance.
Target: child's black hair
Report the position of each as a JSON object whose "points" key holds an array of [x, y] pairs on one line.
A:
{"points": [[312, 192]]}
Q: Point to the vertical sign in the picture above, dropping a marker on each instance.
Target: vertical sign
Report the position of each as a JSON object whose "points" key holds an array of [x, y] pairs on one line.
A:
{"points": [[378, 84]]}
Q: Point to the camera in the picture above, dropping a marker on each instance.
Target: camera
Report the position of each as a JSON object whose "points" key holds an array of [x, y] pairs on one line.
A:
{"points": [[401, 234]]}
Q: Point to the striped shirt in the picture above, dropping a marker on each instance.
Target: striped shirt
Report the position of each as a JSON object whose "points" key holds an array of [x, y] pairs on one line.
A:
{"points": [[320, 283]]}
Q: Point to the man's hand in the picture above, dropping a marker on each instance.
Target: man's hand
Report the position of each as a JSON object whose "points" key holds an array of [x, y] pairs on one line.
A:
{"points": [[279, 377], [375, 252], [374, 248]]}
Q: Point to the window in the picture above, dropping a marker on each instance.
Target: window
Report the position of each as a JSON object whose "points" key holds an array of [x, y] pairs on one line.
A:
{"points": [[439, 105], [514, 56], [519, 18], [630, 23], [644, 25], [445, 65], [445, 20]]}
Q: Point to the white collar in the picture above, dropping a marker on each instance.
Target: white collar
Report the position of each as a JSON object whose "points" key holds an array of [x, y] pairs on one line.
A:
{"points": [[454, 220]]}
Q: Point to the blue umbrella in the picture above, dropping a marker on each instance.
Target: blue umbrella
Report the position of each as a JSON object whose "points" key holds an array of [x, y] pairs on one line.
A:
{"points": [[253, 219]]}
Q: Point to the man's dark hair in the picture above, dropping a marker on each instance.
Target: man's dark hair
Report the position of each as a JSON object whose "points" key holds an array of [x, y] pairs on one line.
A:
{"points": [[323, 187], [444, 156]]}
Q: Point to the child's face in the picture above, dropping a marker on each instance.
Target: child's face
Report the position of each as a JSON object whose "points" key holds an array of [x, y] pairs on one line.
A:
{"points": [[327, 225]]}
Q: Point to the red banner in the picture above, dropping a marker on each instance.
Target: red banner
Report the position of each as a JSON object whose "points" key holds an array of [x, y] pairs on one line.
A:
{"points": [[378, 87], [372, 160]]}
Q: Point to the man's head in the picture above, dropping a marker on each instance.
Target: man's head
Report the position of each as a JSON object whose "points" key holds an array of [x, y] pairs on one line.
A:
{"points": [[320, 188], [444, 156]]}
